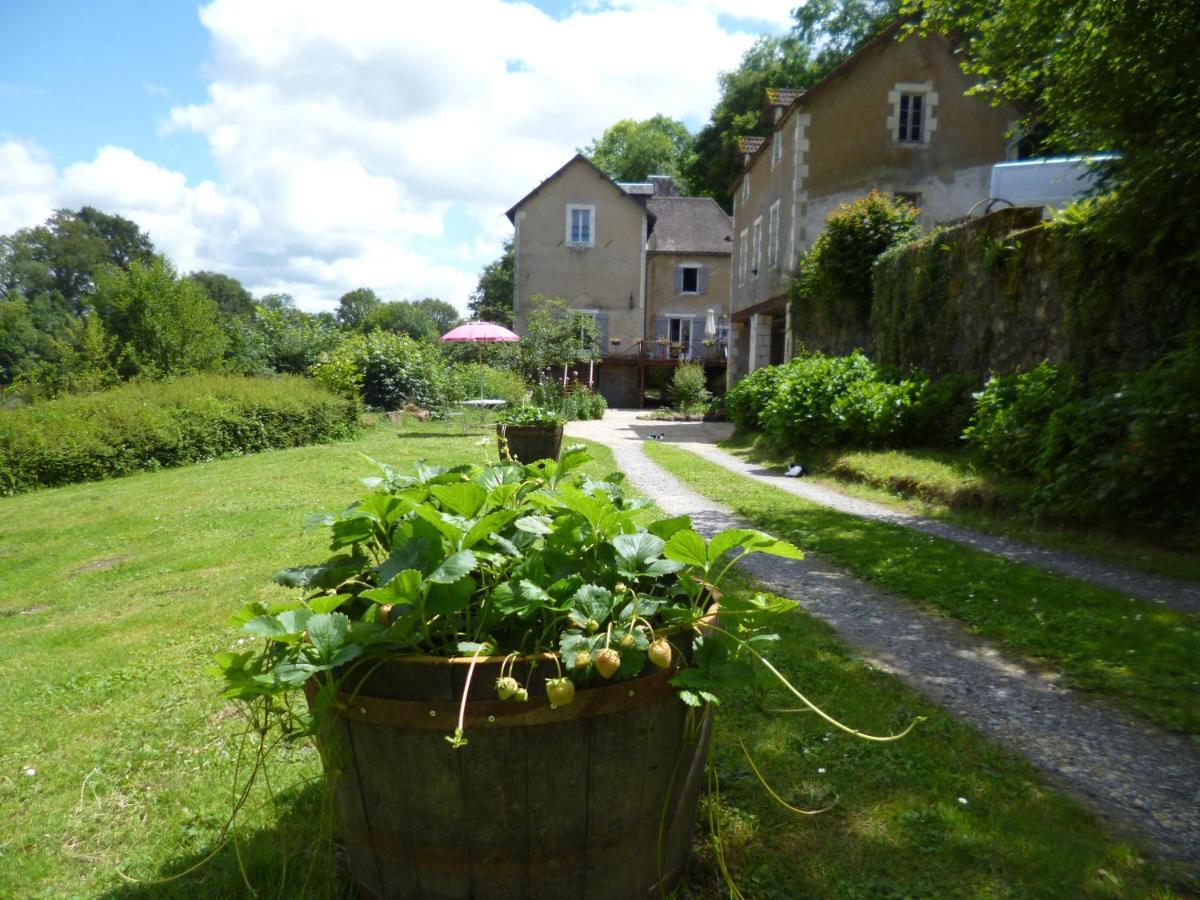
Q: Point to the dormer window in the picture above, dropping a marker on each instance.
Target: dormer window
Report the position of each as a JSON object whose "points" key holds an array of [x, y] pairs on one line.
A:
{"points": [[581, 225]]}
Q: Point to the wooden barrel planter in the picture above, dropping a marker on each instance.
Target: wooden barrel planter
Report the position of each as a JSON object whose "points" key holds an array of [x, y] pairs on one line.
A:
{"points": [[529, 443], [544, 801]]}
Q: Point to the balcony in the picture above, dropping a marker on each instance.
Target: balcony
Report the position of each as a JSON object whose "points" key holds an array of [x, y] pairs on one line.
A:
{"points": [[704, 352]]}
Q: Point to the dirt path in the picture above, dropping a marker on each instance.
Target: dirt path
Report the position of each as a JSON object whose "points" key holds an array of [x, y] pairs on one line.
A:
{"points": [[1141, 780], [701, 438]]}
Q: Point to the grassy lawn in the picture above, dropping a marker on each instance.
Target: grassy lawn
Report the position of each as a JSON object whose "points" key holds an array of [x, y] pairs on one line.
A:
{"points": [[951, 486], [1141, 654], [115, 595]]}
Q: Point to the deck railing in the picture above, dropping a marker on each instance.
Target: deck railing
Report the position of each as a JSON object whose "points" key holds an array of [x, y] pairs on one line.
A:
{"points": [[710, 353]]}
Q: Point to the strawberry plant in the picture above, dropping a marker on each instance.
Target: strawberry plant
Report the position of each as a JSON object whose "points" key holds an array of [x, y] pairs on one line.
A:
{"points": [[540, 568], [511, 561]]}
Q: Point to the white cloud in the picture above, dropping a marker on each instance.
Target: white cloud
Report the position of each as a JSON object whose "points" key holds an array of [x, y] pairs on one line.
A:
{"points": [[377, 143]]}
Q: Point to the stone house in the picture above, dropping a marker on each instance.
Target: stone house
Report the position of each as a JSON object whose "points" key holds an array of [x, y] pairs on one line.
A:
{"points": [[648, 264], [895, 118]]}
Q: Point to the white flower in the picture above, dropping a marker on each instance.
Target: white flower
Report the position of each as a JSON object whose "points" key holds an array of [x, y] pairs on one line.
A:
{"points": [[29, 771], [962, 801], [820, 771]]}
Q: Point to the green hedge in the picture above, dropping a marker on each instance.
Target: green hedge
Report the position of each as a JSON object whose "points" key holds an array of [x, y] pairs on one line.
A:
{"points": [[152, 425]]}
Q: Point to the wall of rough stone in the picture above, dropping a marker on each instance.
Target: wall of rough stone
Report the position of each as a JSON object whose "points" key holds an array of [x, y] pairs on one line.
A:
{"points": [[1007, 291]]}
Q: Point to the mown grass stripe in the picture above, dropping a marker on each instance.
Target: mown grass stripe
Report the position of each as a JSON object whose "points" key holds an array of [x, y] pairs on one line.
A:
{"points": [[1145, 656]]}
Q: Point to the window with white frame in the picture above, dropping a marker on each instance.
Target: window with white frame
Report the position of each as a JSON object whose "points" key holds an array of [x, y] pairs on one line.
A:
{"points": [[776, 149], [743, 255], [581, 225], [913, 117], [746, 185], [679, 329], [757, 253], [773, 236]]}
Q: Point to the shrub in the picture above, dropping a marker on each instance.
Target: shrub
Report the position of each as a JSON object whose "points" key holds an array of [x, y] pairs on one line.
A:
{"points": [[746, 400], [577, 401], [1011, 413], [689, 387], [390, 370], [834, 279], [463, 381], [835, 401], [1129, 453], [143, 425], [941, 410]]}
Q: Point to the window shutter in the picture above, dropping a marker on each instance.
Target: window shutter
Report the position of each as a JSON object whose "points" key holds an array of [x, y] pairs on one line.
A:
{"points": [[660, 327], [679, 279], [602, 327], [702, 280]]}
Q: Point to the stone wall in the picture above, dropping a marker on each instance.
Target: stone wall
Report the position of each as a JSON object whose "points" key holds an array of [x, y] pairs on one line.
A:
{"points": [[1007, 291]]}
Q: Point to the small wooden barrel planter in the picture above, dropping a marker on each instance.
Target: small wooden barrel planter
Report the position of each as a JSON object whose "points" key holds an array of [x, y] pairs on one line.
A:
{"points": [[529, 443], [564, 802]]}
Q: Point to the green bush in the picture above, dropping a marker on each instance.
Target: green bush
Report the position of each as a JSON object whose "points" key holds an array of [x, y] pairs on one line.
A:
{"points": [[1011, 413], [464, 381], [746, 400], [577, 401], [689, 387], [834, 278], [388, 370], [151, 425], [941, 410], [1128, 453], [835, 401]]}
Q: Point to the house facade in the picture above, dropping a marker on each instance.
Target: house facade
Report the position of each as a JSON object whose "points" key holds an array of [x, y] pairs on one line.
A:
{"points": [[651, 266], [893, 118]]}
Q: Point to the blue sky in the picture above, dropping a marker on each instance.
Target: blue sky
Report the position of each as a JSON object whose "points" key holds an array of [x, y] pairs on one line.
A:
{"points": [[314, 147]]}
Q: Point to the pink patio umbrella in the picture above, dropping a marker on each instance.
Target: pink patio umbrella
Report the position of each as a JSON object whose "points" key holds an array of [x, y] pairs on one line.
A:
{"points": [[480, 333]]}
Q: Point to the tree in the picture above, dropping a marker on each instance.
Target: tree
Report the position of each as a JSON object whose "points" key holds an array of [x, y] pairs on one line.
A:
{"points": [[292, 339], [834, 29], [353, 307], [771, 62], [401, 317], [632, 151], [231, 298], [444, 315], [825, 34], [61, 258], [165, 325], [492, 299], [1101, 76], [556, 336]]}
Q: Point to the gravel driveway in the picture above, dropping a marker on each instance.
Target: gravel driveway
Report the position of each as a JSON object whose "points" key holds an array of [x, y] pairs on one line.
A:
{"points": [[1138, 778]]}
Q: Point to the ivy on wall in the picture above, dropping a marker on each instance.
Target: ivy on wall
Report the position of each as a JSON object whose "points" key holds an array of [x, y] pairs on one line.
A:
{"points": [[1008, 291]]}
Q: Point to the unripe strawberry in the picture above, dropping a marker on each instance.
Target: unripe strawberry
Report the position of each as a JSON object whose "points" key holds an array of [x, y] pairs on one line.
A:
{"points": [[660, 653], [521, 696], [592, 626], [385, 614], [561, 691], [607, 662], [619, 588], [626, 641], [583, 659], [507, 687]]}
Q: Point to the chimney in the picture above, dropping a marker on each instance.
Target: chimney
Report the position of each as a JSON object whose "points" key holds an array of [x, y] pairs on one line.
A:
{"points": [[664, 186]]}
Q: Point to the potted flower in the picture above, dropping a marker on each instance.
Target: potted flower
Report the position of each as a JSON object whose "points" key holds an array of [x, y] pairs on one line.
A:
{"points": [[616, 342], [529, 433], [510, 680]]}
